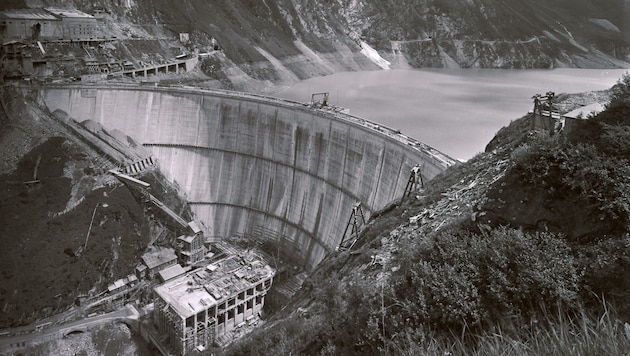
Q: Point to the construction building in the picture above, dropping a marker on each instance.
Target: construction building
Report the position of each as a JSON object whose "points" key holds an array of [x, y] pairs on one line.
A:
{"points": [[155, 261], [191, 249], [49, 24], [171, 272], [76, 25], [25, 24], [119, 284], [202, 307]]}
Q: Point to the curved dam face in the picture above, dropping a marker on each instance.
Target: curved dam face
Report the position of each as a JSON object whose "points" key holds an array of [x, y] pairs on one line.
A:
{"points": [[254, 166]]}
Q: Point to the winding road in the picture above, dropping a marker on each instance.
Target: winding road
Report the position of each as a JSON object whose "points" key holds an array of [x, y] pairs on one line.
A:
{"points": [[9, 343]]}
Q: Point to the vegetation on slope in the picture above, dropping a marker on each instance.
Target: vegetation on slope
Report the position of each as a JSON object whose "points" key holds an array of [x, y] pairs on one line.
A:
{"points": [[474, 277], [68, 228]]}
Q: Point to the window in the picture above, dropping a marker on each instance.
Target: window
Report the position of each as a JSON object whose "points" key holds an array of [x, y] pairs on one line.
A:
{"points": [[230, 314], [250, 304], [241, 309]]}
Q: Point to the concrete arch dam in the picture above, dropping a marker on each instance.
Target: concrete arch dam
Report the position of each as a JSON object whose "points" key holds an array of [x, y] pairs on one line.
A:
{"points": [[258, 166]]}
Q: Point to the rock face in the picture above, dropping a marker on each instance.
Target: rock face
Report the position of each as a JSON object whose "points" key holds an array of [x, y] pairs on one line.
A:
{"points": [[491, 34], [416, 33], [280, 42]]}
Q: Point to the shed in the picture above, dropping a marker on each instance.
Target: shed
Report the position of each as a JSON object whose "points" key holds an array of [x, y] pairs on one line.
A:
{"points": [[171, 272]]}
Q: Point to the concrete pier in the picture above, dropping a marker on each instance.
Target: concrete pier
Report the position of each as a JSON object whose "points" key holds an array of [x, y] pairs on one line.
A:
{"points": [[250, 163]]}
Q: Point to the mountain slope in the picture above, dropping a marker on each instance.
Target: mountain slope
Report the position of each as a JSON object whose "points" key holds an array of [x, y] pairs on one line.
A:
{"points": [[427, 33], [488, 257], [266, 43]]}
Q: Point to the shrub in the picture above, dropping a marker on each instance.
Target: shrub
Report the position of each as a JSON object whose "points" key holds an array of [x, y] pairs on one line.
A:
{"points": [[604, 265], [596, 178], [457, 279], [620, 92]]}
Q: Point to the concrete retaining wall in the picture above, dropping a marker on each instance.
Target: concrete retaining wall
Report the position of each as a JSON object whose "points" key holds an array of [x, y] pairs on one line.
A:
{"points": [[249, 163]]}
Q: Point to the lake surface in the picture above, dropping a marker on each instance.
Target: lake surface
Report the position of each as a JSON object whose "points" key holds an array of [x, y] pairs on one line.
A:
{"points": [[456, 111]]}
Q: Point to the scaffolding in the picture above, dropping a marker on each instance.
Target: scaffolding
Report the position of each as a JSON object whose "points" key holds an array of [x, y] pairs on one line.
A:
{"points": [[193, 311]]}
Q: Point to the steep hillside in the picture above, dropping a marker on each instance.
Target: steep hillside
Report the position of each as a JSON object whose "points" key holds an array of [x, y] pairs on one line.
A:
{"points": [[515, 251], [68, 228], [491, 34], [268, 43]]}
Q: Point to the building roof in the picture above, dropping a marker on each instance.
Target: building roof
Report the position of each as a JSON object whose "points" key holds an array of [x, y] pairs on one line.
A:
{"points": [[188, 239], [171, 272], [584, 111], [157, 258], [117, 284], [204, 287], [14, 42], [194, 227], [27, 14], [132, 278], [69, 13]]}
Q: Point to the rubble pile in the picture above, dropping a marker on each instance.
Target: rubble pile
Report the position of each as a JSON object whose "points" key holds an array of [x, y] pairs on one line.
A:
{"points": [[463, 199]]}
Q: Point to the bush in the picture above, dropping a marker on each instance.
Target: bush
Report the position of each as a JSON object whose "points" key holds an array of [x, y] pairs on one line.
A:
{"points": [[596, 178], [457, 280], [604, 265], [620, 92]]}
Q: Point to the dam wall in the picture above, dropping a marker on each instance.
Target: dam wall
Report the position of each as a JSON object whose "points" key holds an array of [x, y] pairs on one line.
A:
{"points": [[259, 166]]}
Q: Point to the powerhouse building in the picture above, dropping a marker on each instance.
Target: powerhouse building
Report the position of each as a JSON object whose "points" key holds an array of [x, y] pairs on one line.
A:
{"points": [[195, 309]]}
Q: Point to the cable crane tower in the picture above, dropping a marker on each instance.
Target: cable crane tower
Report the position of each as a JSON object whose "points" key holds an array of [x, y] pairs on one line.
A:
{"points": [[415, 183], [357, 219]]}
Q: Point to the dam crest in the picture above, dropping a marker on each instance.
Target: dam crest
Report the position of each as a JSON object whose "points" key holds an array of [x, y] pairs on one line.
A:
{"points": [[252, 165]]}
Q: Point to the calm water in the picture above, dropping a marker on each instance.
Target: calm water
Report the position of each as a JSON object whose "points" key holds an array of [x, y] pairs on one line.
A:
{"points": [[455, 111]]}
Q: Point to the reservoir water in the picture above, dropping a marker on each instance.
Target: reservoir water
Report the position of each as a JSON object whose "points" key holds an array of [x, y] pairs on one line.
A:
{"points": [[455, 111]]}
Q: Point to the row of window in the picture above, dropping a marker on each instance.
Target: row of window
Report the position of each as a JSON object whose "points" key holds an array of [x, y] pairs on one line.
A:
{"points": [[44, 22], [240, 309]]}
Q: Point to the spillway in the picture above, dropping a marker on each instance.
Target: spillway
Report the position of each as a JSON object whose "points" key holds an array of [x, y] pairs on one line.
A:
{"points": [[258, 166]]}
